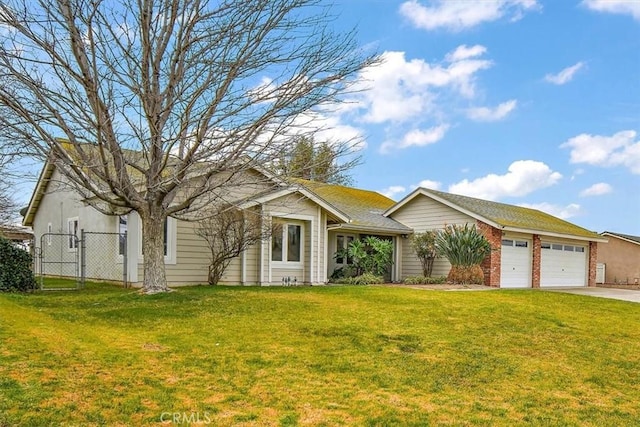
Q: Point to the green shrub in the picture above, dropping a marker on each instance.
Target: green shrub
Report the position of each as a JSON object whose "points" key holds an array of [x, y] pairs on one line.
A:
{"points": [[424, 246], [15, 268], [423, 280], [465, 248], [369, 255], [364, 279]]}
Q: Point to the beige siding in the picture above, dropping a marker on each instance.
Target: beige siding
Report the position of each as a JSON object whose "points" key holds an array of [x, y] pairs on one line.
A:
{"points": [[192, 256], [423, 214]]}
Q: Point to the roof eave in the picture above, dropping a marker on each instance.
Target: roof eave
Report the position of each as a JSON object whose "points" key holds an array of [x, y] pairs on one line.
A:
{"points": [[369, 229], [554, 234], [38, 192], [617, 236]]}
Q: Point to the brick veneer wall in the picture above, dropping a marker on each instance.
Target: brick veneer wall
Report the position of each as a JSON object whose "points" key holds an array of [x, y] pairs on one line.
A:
{"points": [[491, 264], [537, 257], [593, 258]]}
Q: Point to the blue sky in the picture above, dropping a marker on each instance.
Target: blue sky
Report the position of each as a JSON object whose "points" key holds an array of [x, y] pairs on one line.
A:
{"points": [[529, 102]]}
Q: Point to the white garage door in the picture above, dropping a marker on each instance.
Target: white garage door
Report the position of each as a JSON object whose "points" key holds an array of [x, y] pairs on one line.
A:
{"points": [[563, 265], [515, 264]]}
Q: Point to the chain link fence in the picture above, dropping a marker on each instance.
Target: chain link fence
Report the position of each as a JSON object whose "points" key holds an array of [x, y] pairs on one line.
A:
{"points": [[104, 257], [65, 261]]}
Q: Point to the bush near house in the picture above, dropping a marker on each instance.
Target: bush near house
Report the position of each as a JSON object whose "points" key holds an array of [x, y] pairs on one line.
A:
{"points": [[465, 248], [371, 258], [15, 268], [424, 246], [364, 279]]}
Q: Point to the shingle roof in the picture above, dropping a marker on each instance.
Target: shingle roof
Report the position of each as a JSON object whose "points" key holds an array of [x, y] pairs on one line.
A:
{"points": [[365, 208], [634, 239], [514, 217]]}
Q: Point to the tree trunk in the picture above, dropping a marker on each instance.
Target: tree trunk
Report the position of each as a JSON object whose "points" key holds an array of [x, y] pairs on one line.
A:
{"points": [[155, 280]]}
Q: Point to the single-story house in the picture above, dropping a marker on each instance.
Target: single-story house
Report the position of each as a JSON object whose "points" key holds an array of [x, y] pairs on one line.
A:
{"points": [[531, 248], [620, 258]]}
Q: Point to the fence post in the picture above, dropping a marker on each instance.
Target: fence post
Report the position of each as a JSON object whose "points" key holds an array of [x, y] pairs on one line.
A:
{"points": [[83, 258], [124, 262]]}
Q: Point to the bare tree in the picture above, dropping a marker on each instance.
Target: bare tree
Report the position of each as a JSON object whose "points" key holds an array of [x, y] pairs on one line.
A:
{"points": [[160, 106], [228, 233], [8, 206]]}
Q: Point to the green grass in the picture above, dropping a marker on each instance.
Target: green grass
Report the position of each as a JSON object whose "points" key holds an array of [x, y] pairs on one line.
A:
{"points": [[369, 356]]}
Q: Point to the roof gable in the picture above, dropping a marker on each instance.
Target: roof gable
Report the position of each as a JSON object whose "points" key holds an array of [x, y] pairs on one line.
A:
{"points": [[504, 216], [364, 208]]}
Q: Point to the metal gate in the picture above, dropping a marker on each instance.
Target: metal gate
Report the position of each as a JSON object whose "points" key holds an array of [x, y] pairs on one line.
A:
{"points": [[58, 259], [67, 261]]}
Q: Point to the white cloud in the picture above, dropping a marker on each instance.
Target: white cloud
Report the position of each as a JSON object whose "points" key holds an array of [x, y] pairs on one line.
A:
{"points": [[393, 191], [486, 114], [522, 178], [620, 149], [459, 15], [563, 212], [597, 190], [399, 90], [627, 7], [427, 183], [564, 76], [465, 52], [416, 138]]}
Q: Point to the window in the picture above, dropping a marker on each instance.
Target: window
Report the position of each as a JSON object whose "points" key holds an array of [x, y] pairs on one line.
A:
{"points": [[342, 243], [72, 230], [579, 248], [568, 248], [521, 244], [507, 242], [286, 243], [545, 245], [556, 247], [49, 231], [122, 229]]}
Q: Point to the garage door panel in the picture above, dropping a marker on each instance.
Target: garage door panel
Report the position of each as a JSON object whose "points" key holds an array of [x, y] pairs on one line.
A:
{"points": [[515, 264], [563, 265]]}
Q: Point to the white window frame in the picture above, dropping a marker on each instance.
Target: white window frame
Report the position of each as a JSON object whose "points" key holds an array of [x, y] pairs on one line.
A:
{"points": [[49, 232], [171, 256], [72, 244], [120, 257], [285, 223]]}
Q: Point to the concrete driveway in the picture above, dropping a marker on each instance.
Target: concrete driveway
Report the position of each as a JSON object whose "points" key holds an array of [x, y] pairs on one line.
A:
{"points": [[611, 293]]}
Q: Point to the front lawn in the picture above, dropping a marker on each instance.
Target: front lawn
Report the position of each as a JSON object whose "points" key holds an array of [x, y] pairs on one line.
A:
{"points": [[317, 356]]}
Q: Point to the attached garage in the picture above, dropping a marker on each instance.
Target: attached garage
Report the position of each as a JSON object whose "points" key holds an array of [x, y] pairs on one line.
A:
{"points": [[515, 265], [563, 264], [530, 248]]}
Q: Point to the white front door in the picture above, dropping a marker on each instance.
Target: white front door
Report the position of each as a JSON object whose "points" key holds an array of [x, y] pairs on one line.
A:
{"points": [[515, 264], [563, 264]]}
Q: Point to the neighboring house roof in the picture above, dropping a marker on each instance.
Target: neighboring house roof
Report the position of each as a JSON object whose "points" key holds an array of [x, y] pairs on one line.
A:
{"points": [[504, 216], [364, 208], [15, 233], [627, 237]]}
